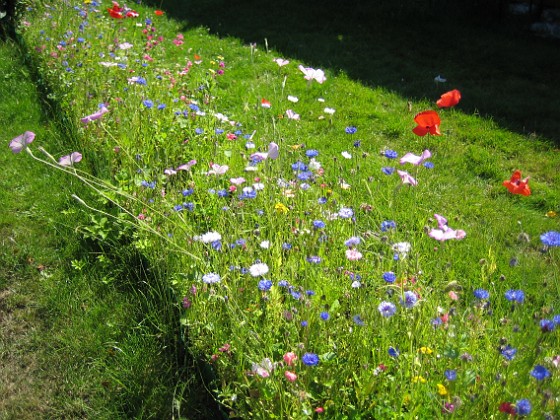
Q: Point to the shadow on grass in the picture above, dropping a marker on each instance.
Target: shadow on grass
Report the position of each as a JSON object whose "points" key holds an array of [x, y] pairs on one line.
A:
{"points": [[503, 71]]}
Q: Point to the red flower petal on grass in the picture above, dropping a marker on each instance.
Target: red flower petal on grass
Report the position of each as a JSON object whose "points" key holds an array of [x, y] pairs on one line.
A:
{"points": [[115, 14], [507, 407], [516, 185], [428, 122], [449, 99], [159, 12]]}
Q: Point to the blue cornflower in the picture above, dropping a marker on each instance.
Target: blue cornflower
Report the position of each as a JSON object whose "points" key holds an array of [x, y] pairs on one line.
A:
{"points": [[305, 175], [310, 292], [450, 374], [358, 320], [187, 192], [311, 153], [523, 407], [314, 259], [391, 154], [481, 294], [387, 309], [346, 213], [556, 319], [219, 131], [310, 359], [265, 285], [304, 324], [324, 316], [211, 278], [148, 103], [295, 294], [222, 193], [322, 200], [436, 322], [147, 184], [353, 241], [389, 277], [194, 107], [515, 296], [508, 352], [217, 245], [539, 372], [161, 106], [178, 207], [121, 66], [286, 246], [393, 352], [551, 238], [350, 130], [388, 224], [80, 40], [148, 21], [299, 166], [188, 206], [283, 283], [248, 195], [357, 143], [388, 170], [547, 325], [198, 130], [428, 165], [318, 224], [410, 299]]}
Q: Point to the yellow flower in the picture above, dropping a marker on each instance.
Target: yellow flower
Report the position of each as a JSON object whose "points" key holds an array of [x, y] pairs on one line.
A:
{"points": [[417, 379], [425, 350], [281, 208], [551, 213], [441, 389]]}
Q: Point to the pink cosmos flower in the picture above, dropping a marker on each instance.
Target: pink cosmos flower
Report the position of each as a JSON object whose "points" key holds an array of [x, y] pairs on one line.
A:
{"points": [[217, 169], [70, 159], [20, 142], [415, 160], [186, 166], [281, 62], [444, 232], [406, 178], [353, 254], [292, 115], [271, 154], [290, 358], [310, 74], [290, 376], [95, 115]]}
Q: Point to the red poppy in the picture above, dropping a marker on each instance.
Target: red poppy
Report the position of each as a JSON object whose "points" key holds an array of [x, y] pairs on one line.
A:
{"points": [[428, 122], [507, 407], [449, 99], [516, 185], [115, 13], [159, 12]]}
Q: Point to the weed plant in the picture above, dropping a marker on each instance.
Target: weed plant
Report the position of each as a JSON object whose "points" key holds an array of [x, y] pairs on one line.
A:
{"points": [[317, 272]]}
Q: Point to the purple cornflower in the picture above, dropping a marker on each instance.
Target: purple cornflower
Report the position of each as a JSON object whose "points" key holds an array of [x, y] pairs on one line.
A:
{"points": [[508, 352], [318, 224], [450, 374], [310, 359], [547, 325], [346, 213], [523, 407], [393, 352], [351, 130], [358, 320], [388, 224], [324, 316], [353, 241], [389, 277], [391, 154], [410, 299], [387, 309], [551, 238], [515, 296], [539, 372], [211, 278], [481, 294], [388, 170], [314, 259], [265, 285]]}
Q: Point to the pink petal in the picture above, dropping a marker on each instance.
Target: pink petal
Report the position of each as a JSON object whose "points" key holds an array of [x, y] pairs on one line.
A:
{"points": [[406, 178], [442, 221], [415, 160], [273, 151]]}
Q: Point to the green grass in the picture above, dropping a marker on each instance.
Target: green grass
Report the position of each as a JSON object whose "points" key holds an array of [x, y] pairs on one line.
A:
{"points": [[76, 343], [240, 327]]}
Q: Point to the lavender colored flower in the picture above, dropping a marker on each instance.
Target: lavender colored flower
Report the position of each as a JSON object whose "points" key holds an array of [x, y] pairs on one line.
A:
{"points": [[311, 153], [310, 359], [346, 213], [322, 200], [351, 130], [388, 170], [450, 374], [148, 103], [264, 285], [551, 238], [283, 283], [314, 259], [539, 372], [299, 166], [211, 278], [389, 277], [387, 309], [304, 323], [324, 316], [429, 165], [410, 299], [547, 325], [481, 294], [358, 320], [286, 246], [353, 241]]}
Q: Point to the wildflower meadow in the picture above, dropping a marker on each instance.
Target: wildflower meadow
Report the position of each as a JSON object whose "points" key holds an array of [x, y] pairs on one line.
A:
{"points": [[333, 250]]}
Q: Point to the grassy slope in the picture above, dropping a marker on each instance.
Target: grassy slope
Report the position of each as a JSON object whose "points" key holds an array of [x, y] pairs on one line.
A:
{"points": [[71, 345]]}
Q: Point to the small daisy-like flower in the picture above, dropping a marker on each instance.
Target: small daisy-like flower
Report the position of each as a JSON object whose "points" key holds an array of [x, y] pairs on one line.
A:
{"points": [[346, 213], [211, 278], [259, 269], [353, 255]]}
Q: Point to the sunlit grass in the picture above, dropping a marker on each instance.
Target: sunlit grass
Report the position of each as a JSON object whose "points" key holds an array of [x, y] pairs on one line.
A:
{"points": [[322, 251]]}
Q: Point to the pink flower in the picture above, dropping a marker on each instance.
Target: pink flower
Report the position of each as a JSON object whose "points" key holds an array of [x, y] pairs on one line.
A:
{"points": [[290, 358], [95, 115], [290, 376], [406, 178], [452, 295], [310, 74], [292, 115], [445, 232], [70, 159], [353, 255], [20, 142], [415, 160], [271, 154], [281, 62]]}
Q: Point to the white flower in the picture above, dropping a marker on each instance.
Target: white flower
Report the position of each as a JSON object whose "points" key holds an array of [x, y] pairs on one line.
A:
{"points": [[402, 248], [293, 99], [314, 165], [210, 237], [211, 278], [329, 111], [259, 269], [259, 186], [265, 244], [346, 155]]}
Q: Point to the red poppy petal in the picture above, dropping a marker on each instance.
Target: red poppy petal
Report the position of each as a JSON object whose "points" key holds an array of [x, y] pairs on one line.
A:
{"points": [[449, 99], [427, 118], [420, 131]]}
